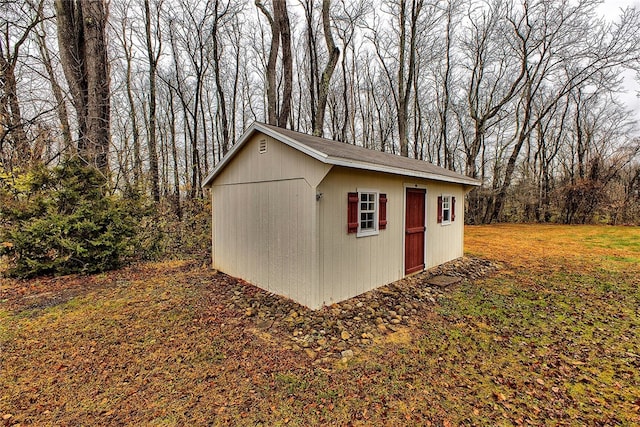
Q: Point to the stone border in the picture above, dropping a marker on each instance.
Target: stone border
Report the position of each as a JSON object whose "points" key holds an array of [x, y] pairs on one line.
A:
{"points": [[338, 330]]}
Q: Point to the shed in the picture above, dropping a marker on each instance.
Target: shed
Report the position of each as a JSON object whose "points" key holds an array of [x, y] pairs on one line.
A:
{"points": [[320, 221]]}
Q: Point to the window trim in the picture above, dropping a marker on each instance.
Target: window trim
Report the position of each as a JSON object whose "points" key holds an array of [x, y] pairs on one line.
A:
{"points": [[449, 197], [376, 212]]}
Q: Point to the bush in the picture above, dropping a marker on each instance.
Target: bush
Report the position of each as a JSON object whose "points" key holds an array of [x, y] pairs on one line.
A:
{"points": [[164, 234], [62, 220]]}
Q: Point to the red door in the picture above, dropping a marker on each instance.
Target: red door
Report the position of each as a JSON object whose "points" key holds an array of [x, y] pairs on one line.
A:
{"points": [[414, 231]]}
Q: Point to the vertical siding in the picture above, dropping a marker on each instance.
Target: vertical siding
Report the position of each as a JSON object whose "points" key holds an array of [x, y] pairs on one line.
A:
{"points": [[278, 163], [351, 265], [264, 219], [264, 234], [444, 242]]}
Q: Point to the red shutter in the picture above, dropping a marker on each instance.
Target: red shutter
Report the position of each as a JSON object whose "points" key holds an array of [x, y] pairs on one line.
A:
{"points": [[439, 209], [352, 212], [453, 209], [382, 211]]}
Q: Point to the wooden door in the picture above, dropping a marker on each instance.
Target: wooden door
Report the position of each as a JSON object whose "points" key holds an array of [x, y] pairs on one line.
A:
{"points": [[414, 230]]}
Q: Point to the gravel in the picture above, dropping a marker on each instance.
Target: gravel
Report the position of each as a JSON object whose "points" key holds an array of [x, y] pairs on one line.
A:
{"points": [[341, 328]]}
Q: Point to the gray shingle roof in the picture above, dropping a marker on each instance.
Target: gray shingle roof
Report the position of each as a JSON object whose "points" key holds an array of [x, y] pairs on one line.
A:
{"points": [[348, 155]]}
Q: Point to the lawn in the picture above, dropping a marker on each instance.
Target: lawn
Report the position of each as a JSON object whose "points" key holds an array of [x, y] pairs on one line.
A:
{"points": [[551, 338]]}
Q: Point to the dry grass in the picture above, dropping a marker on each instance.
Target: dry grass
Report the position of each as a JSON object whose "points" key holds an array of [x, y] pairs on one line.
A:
{"points": [[553, 338]]}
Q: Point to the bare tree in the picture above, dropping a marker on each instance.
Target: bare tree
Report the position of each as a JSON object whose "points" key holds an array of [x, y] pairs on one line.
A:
{"points": [[153, 54], [13, 126], [219, 14], [495, 76], [59, 95], [83, 53], [124, 35], [325, 80], [280, 33], [543, 31], [518, 93], [401, 53]]}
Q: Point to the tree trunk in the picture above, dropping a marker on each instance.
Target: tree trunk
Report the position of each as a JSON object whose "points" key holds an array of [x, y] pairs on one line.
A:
{"points": [[222, 103], [151, 141], [334, 54], [13, 127], [272, 99], [137, 160], [174, 156], [404, 83], [280, 32], [83, 54], [313, 60], [14, 124], [61, 105], [280, 11]]}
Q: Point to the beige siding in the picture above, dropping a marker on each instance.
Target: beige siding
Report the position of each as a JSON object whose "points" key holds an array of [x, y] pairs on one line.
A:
{"points": [[263, 233], [351, 265], [280, 162], [444, 242], [264, 219]]}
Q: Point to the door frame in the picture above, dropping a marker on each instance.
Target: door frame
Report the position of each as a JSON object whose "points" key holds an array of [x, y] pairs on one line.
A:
{"points": [[404, 220]]}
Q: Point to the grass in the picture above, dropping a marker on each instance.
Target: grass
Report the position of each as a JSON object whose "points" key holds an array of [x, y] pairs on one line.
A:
{"points": [[552, 339]]}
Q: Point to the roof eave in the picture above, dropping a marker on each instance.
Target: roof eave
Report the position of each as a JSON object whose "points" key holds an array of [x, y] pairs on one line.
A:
{"points": [[269, 132], [403, 172], [324, 158], [230, 154]]}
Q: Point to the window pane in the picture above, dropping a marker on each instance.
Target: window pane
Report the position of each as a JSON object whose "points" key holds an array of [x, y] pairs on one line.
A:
{"points": [[367, 211]]}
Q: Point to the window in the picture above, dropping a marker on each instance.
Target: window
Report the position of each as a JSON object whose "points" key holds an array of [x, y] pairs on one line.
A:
{"points": [[366, 212], [446, 209]]}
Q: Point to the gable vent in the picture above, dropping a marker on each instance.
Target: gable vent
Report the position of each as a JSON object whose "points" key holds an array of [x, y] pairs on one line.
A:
{"points": [[263, 146]]}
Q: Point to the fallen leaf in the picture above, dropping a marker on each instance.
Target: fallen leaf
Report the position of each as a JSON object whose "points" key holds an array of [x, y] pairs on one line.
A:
{"points": [[499, 397]]}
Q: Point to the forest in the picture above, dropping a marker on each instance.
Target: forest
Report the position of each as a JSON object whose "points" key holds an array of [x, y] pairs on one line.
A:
{"points": [[523, 95], [114, 112]]}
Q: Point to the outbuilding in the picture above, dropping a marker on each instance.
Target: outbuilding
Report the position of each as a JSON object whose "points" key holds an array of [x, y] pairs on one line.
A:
{"points": [[320, 221]]}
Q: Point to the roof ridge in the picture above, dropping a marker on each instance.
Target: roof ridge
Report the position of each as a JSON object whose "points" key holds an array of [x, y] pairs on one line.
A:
{"points": [[355, 147], [344, 154]]}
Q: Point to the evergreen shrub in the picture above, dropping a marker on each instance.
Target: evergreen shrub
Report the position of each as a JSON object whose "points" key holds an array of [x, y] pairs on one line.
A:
{"points": [[62, 220]]}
